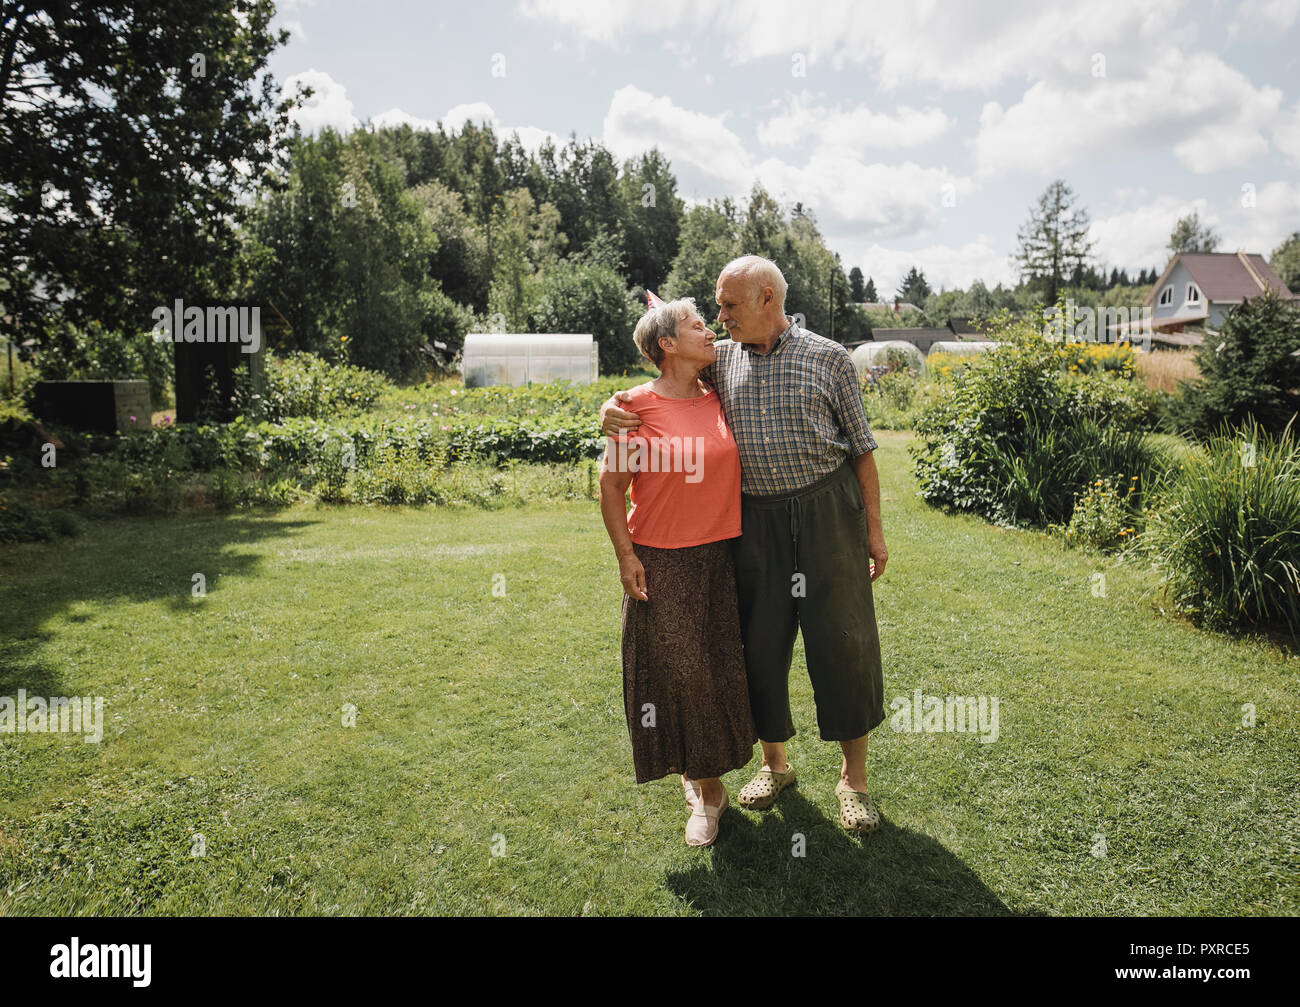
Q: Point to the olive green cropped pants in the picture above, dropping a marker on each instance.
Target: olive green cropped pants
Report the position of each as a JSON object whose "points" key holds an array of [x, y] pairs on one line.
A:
{"points": [[802, 565]]}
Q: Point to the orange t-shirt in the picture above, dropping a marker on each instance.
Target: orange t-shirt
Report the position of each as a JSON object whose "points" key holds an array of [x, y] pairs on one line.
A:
{"points": [[685, 471]]}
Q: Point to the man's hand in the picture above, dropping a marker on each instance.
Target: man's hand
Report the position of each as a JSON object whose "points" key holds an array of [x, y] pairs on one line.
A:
{"points": [[613, 420], [878, 553]]}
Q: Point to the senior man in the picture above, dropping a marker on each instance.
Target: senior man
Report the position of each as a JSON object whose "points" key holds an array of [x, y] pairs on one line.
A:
{"points": [[811, 537]]}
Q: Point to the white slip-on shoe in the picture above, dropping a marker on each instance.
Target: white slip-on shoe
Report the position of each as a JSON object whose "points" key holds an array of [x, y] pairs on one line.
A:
{"points": [[702, 826]]}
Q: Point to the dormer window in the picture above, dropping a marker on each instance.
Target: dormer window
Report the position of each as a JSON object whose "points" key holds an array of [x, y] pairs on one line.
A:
{"points": [[1167, 295], [1193, 295]]}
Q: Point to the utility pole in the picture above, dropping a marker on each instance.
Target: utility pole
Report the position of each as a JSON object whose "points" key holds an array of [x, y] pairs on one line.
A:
{"points": [[832, 301]]}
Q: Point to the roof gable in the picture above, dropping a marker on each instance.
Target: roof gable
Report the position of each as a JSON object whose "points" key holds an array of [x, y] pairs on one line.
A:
{"points": [[1224, 276]]}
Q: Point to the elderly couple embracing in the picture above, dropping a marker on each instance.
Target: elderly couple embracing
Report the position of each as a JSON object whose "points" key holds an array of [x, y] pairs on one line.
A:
{"points": [[755, 514]]}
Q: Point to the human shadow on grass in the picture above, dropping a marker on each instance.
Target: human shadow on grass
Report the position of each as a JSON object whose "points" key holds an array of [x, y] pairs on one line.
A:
{"points": [[894, 871], [126, 560]]}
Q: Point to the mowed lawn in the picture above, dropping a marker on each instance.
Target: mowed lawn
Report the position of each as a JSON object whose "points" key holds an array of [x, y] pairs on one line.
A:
{"points": [[489, 768]]}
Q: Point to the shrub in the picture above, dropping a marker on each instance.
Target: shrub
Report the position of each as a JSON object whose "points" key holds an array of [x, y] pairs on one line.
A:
{"points": [[940, 365], [67, 352], [1227, 533], [302, 384], [583, 296], [1095, 358], [1250, 372], [1013, 436], [21, 522], [396, 477], [1102, 515]]}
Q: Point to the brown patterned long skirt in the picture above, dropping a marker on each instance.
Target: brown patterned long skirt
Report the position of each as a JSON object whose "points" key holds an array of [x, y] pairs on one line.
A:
{"points": [[684, 683]]}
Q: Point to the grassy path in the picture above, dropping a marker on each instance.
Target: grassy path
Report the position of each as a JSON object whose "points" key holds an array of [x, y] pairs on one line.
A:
{"points": [[1122, 781]]}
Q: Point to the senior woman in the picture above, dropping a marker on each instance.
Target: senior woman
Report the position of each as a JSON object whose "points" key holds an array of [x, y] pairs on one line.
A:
{"points": [[684, 684]]}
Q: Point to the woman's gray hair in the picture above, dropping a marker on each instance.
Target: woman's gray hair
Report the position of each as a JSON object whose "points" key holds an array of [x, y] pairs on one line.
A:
{"points": [[659, 322]]}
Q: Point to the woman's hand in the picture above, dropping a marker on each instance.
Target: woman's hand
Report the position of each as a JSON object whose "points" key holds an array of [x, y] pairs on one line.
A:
{"points": [[632, 574]]}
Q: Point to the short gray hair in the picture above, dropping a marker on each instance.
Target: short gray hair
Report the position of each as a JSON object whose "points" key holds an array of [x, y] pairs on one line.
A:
{"points": [[758, 272], [659, 322]]}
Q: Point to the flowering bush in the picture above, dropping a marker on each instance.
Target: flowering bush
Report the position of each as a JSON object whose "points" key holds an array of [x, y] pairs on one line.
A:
{"points": [[1103, 517]]}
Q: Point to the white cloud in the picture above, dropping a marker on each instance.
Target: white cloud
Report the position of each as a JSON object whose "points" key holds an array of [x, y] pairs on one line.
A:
{"points": [[889, 200], [477, 112], [1262, 228], [1286, 134], [1259, 18], [329, 106], [944, 266], [885, 200], [1137, 237], [855, 129], [682, 51], [637, 121], [1208, 113], [953, 46], [396, 117]]}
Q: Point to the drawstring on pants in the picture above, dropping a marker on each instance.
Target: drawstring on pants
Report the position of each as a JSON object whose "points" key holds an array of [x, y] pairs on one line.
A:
{"points": [[794, 507]]}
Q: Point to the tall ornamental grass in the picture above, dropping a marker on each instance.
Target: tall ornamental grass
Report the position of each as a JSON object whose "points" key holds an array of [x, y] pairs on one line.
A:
{"points": [[1225, 528]]}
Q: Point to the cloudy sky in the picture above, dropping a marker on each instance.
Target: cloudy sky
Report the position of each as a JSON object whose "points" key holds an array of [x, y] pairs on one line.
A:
{"points": [[918, 132]]}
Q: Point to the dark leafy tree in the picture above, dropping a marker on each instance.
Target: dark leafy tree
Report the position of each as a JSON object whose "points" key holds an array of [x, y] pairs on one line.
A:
{"points": [[1190, 235], [1251, 370], [652, 215], [1285, 261], [129, 132]]}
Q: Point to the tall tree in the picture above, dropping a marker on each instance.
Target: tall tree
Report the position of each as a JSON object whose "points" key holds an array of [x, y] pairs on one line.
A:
{"points": [[869, 294], [1285, 261], [343, 252], [128, 133], [709, 240], [584, 187], [652, 216], [527, 240], [855, 285], [1054, 241], [1190, 235], [914, 288]]}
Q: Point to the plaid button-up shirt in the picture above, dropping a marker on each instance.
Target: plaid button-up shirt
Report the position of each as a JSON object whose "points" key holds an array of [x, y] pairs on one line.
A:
{"points": [[796, 411]]}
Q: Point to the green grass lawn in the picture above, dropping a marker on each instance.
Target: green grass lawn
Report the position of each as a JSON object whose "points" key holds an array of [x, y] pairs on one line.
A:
{"points": [[491, 724]]}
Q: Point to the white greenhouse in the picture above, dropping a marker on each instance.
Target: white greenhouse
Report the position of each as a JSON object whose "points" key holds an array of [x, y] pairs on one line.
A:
{"points": [[964, 347], [877, 354], [513, 358]]}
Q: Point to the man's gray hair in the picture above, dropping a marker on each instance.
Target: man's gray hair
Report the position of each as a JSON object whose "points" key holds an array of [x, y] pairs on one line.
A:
{"points": [[758, 273], [659, 322]]}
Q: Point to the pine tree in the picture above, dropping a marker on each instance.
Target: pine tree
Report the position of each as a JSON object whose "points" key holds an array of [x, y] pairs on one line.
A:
{"points": [[855, 285], [1054, 241], [914, 289]]}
